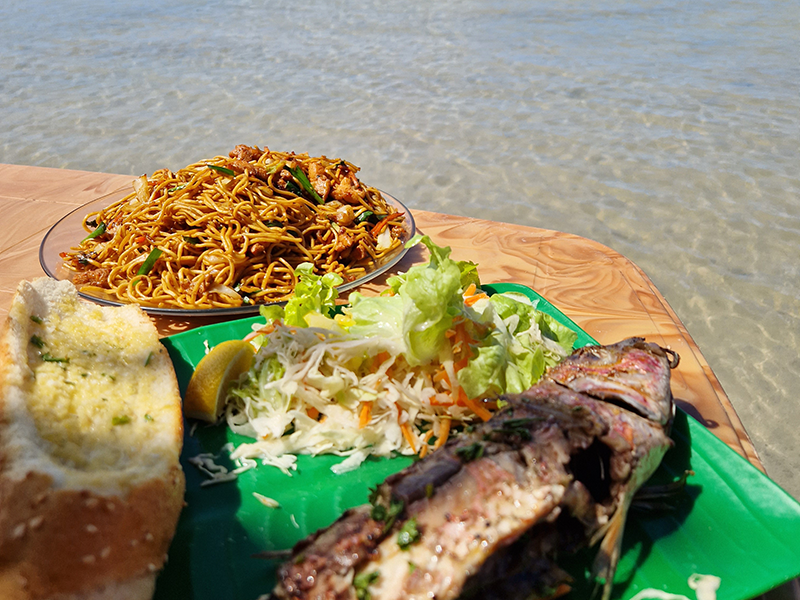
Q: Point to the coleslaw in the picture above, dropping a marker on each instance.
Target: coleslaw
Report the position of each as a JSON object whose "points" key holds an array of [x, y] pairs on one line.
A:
{"points": [[395, 373]]}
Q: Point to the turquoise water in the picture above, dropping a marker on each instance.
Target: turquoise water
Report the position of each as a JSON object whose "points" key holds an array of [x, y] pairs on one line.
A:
{"points": [[666, 130]]}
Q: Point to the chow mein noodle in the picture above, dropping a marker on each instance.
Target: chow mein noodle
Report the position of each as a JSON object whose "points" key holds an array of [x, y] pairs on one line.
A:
{"points": [[230, 231]]}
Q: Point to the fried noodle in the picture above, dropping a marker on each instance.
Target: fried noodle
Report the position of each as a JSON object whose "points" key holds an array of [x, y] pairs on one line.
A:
{"points": [[230, 231]]}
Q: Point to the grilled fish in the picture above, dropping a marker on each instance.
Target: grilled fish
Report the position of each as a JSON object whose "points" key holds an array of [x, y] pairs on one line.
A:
{"points": [[489, 514]]}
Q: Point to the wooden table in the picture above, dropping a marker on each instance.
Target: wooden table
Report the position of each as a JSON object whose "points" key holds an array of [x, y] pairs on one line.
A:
{"points": [[606, 294]]}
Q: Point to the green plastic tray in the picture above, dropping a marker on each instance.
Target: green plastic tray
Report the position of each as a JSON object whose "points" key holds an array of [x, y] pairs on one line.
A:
{"points": [[732, 521]]}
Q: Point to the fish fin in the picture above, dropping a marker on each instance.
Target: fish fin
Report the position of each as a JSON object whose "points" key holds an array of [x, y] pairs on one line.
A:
{"points": [[605, 563]]}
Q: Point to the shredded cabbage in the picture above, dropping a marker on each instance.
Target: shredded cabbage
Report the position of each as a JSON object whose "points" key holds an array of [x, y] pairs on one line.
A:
{"points": [[390, 374]]}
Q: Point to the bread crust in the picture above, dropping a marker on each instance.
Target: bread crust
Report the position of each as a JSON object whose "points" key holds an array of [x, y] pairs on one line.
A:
{"points": [[62, 543]]}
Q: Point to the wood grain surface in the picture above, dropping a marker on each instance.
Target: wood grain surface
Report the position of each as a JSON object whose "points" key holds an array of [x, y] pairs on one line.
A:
{"points": [[606, 294]]}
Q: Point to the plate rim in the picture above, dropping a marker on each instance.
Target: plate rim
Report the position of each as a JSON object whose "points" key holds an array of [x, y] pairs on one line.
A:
{"points": [[250, 309]]}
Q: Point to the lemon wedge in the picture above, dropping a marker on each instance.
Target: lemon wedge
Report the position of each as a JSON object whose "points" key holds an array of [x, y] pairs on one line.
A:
{"points": [[205, 394]]}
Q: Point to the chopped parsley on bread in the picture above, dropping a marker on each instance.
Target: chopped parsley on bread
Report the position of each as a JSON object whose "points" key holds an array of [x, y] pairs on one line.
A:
{"points": [[90, 436]]}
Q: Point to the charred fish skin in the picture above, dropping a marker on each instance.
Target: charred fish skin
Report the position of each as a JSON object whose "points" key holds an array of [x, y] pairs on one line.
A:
{"points": [[322, 565], [514, 475], [554, 471], [632, 373]]}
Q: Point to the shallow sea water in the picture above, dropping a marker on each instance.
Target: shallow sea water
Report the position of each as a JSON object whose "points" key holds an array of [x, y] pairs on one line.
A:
{"points": [[666, 130]]}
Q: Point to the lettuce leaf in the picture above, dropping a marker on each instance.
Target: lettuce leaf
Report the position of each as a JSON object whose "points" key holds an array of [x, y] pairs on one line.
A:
{"points": [[432, 298], [313, 293], [375, 316]]}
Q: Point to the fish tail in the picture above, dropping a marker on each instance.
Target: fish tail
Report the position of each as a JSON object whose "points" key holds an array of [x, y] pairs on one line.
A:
{"points": [[605, 563]]}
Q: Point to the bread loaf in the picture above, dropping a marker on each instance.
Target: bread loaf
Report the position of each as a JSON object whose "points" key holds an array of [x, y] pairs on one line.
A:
{"points": [[90, 435]]}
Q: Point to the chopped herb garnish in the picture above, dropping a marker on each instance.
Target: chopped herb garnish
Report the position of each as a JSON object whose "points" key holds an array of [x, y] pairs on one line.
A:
{"points": [[517, 427], [273, 224], [149, 358], [176, 188], [99, 230], [469, 453], [302, 178], [411, 567], [147, 417], [149, 262], [46, 357], [36, 319], [361, 583], [408, 534], [120, 420], [381, 513], [223, 170], [37, 341], [189, 239], [429, 490]]}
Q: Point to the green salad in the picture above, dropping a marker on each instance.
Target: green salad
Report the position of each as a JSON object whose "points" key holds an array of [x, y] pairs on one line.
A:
{"points": [[394, 373]]}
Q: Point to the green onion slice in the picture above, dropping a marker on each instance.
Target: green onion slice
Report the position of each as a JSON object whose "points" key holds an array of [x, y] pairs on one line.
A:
{"points": [[148, 263], [364, 216], [100, 230], [300, 176], [224, 170]]}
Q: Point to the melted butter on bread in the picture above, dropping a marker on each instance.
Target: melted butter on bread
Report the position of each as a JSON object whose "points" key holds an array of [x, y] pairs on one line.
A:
{"points": [[94, 392]]}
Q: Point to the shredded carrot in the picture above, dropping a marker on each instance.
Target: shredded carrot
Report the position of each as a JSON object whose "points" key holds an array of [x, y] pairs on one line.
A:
{"points": [[406, 429], [463, 335], [383, 223], [461, 364], [443, 433], [441, 375], [470, 289], [266, 330], [473, 299], [408, 435], [479, 410], [312, 412], [425, 446], [381, 358], [436, 402], [365, 415]]}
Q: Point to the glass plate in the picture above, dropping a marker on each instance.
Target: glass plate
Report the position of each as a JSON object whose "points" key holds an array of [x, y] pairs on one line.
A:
{"points": [[732, 521], [69, 231]]}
